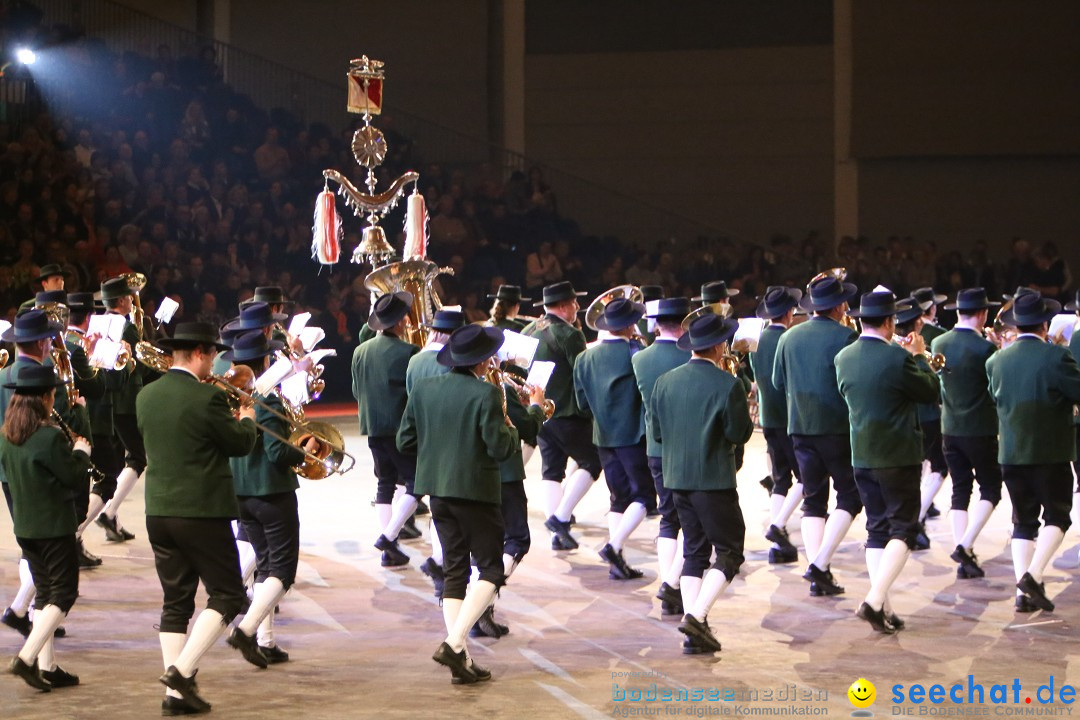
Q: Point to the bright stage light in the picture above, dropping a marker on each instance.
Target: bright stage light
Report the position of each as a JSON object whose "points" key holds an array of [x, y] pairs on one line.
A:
{"points": [[26, 56]]}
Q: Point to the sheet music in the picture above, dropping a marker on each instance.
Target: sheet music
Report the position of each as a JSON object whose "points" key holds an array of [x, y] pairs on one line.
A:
{"points": [[281, 369], [1065, 324], [298, 323], [105, 353], [518, 349], [166, 310], [4, 326], [310, 337], [110, 326], [540, 373], [749, 330], [294, 389]]}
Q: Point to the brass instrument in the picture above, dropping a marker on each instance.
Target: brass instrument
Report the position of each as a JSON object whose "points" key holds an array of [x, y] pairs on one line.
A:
{"points": [[315, 383], [729, 364], [238, 383], [722, 309], [136, 282], [4, 357], [58, 312], [93, 471], [494, 375], [936, 361], [524, 389], [619, 292], [414, 277], [840, 274], [152, 356]]}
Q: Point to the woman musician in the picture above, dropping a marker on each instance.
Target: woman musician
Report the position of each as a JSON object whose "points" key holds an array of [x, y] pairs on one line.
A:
{"points": [[45, 470], [505, 310], [266, 490]]}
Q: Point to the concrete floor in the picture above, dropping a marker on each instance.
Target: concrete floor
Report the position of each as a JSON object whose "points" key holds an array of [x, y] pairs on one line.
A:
{"points": [[361, 637]]}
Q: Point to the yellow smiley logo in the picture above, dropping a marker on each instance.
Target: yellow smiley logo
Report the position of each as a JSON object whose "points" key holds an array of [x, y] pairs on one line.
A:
{"points": [[862, 693]]}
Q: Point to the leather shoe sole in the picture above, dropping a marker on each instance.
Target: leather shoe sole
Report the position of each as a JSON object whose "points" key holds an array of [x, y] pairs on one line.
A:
{"points": [[172, 706], [876, 618], [30, 674], [274, 655], [248, 647], [700, 633], [60, 677], [562, 531]]}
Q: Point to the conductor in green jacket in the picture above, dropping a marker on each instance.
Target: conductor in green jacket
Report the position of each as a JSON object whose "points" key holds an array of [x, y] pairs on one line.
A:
{"points": [[1035, 385], [883, 384], [458, 429], [379, 367], [190, 434], [698, 416]]}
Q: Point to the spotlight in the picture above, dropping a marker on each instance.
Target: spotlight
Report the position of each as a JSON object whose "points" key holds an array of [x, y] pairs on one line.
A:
{"points": [[26, 56]]}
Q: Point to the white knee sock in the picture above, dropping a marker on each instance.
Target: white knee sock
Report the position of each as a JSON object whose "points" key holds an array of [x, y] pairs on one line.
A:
{"points": [[403, 509], [813, 529], [776, 506], [247, 559], [551, 493], [264, 636], [892, 562], [712, 585], [436, 544], [527, 451], [46, 620], [451, 608], [1074, 514], [25, 595], [47, 658], [791, 501], [665, 556], [674, 574], [613, 520], [690, 588], [172, 644], [575, 488], [477, 599], [509, 565], [125, 481], [1022, 552], [267, 594], [976, 522], [627, 524], [836, 528], [92, 512], [873, 562], [1049, 541], [932, 482], [383, 511], [208, 627], [959, 520]]}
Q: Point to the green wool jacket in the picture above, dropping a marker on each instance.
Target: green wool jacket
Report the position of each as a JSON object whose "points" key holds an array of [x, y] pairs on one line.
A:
{"points": [[649, 364], [366, 333], [124, 399], [423, 364], [772, 405], [560, 343], [268, 468], [930, 412], [698, 416], [190, 433], [454, 424], [101, 410], [883, 384], [967, 409], [69, 413], [378, 383], [605, 385], [90, 383], [44, 475], [528, 420], [1035, 385], [804, 370], [512, 324], [1074, 348]]}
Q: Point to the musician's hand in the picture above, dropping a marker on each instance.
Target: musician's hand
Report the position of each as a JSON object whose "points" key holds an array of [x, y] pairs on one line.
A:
{"points": [[296, 345], [248, 411], [91, 343], [81, 401], [311, 445], [915, 344], [82, 445], [536, 395]]}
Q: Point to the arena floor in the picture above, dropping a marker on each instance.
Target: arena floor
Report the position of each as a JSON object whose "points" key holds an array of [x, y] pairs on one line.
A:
{"points": [[581, 645]]}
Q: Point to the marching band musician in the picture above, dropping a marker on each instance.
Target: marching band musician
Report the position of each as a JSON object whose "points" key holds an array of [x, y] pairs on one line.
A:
{"points": [[1035, 385], [266, 486], [506, 306], [882, 384], [378, 384], [698, 416], [455, 425], [45, 471], [190, 433], [33, 335], [605, 386], [118, 298], [778, 306], [935, 468], [51, 277], [969, 425], [1074, 348], [568, 433], [649, 364], [646, 326], [818, 424]]}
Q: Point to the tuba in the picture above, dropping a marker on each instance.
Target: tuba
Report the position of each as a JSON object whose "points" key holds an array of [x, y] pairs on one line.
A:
{"points": [[619, 292], [136, 282], [414, 277], [840, 274]]}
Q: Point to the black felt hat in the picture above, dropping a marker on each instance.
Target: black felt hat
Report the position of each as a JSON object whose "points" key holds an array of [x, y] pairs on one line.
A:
{"points": [[389, 310], [49, 270], [470, 345], [1031, 308], [675, 308], [30, 326], [972, 300], [509, 294], [447, 321], [560, 291], [192, 334], [114, 288], [708, 331], [81, 302], [925, 297], [827, 293], [619, 315], [715, 291], [251, 345], [34, 380], [877, 304], [256, 316], [907, 310], [776, 301], [271, 295]]}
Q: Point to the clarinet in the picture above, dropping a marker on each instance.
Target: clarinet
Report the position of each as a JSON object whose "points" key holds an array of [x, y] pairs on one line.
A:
{"points": [[95, 473]]}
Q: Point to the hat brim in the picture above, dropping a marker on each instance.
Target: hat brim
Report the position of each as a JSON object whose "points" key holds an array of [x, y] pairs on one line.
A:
{"points": [[907, 316], [272, 346], [233, 326], [602, 322], [57, 382], [436, 328], [519, 301], [495, 339], [286, 305], [807, 303], [985, 306], [1053, 307], [563, 298], [39, 278], [52, 329], [794, 296], [730, 294], [182, 343], [729, 328], [876, 313], [376, 324]]}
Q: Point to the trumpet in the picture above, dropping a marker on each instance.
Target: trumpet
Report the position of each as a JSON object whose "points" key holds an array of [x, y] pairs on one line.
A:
{"points": [[136, 282], [936, 361], [239, 382], [94, 472], [524, 389]]}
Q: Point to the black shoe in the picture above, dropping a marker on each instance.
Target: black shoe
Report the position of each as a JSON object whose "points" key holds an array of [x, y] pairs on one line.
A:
{"points": [[30, 674], [969, 564], [691, 647], [57, 633], [171, 706], [113, 531], [248, 647], [20, 625], [434, 571], [482, 673], [895, 620], [562, 531], [767, 483], [823, 582], [556, 543], [457, 662], [876, 618], [487, 627], [87, 559], [1024, 604], [187, 688], [932, 511], [922, 540], [409, 531], [670, 600], [392, 556], [699, 630], [1036, 592], [780, 556], [274, 655], [779, 536], [60, 677], [620, 569], [421, 508]]}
